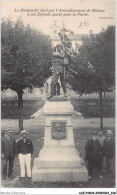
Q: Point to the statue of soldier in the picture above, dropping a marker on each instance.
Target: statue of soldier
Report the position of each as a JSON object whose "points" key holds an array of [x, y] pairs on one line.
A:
{"points": [[59, 69], [62, 55]]}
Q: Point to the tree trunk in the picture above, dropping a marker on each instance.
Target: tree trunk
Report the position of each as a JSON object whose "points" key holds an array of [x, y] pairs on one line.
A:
{"points": [[20, 107], [101, 111]]}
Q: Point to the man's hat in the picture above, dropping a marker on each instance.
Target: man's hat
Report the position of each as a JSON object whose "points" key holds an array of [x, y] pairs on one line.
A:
{"points": [[109, 132], [23, 132], [94, 132], [7, 131]]}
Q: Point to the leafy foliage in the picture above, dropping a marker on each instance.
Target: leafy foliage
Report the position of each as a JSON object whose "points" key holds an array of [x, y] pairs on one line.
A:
{"points": [[26, 56], [93, 69]]}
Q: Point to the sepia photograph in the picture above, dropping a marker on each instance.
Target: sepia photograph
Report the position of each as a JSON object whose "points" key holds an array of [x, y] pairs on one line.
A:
{"points": [[58, 97]]}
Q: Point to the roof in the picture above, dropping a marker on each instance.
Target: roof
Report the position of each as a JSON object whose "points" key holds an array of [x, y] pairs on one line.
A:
{"points": [[72, 37]]}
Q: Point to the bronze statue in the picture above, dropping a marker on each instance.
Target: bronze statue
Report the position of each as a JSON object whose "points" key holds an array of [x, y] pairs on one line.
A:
{"points": [[59, 68], [62, 56]]}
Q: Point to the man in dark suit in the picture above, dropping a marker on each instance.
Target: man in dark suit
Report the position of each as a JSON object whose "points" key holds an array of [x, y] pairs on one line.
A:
{"points": [[109, 149], [101, 139], [8, 151], [93, 155]]}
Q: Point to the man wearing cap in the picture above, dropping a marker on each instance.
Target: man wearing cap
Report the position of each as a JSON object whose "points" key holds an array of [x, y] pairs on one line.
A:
{"points": [[101, 139], [109, 149], [8, 152], [25, 151], [93, 154]]}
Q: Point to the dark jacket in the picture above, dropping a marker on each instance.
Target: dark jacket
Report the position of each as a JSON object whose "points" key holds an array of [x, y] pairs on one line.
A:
{"points": [[93, 149], [24, 147], [109, 147], [8, 147]]}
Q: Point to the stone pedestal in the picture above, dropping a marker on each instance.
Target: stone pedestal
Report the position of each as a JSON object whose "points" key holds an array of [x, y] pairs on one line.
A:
{"points": [[59, 160]]}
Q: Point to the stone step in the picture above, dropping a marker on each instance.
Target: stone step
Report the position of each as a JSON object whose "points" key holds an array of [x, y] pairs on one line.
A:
{"points": [[59, 174]]}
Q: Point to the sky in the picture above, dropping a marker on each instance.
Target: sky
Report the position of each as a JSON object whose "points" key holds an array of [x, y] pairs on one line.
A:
{"points": [[79, 23]]}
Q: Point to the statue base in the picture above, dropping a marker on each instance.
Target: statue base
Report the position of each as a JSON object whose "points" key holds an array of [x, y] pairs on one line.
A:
{"points": [[58, 160], [58, 165]]}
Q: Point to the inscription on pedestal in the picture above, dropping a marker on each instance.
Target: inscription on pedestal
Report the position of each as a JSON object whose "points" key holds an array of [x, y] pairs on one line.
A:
{"points": [[58, 130]]}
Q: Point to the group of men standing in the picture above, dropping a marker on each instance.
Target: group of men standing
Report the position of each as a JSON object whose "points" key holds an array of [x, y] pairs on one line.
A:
{"points": [[23, 148], [99, 148]]}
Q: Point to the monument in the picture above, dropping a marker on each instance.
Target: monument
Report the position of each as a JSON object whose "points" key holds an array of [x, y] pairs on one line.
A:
{"points": [[58, 160]]}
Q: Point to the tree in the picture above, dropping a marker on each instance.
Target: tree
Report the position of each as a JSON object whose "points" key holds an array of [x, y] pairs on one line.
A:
{"points": [[26, 56], [93, 69]]}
